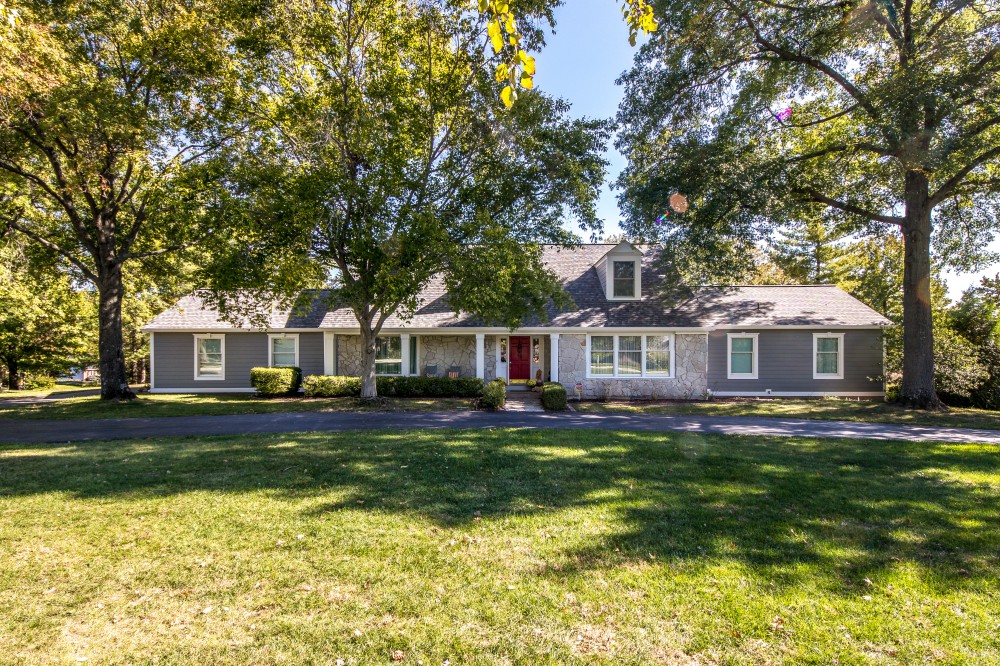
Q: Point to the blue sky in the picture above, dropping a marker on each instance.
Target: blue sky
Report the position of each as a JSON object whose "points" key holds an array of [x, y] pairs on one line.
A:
{"points": [[580, 64]]}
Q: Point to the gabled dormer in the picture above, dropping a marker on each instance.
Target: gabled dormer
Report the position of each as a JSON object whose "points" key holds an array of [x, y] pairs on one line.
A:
{"points": [[620, 271]]}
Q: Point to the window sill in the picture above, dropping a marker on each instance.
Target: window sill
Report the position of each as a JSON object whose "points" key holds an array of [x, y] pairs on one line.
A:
{"points": [[741, 377], [630, 377]]}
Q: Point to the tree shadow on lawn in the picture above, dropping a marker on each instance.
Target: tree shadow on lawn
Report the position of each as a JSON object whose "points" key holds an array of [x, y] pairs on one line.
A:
{"points": [[848, 508]]}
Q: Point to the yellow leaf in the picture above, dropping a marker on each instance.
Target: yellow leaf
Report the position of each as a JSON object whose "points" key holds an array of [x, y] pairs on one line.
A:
{"points": [[510, 23], [502, 6], [483, 6], [528, 62], [502, 72], [508, 96], [527, 82], [493, 29]]}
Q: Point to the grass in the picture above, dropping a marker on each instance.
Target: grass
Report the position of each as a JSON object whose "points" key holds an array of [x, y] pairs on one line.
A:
{"points": [[190, 404], [826, 408], [500, 547], [60, 387]]}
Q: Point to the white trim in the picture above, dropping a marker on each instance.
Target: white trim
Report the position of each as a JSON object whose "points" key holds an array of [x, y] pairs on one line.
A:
{"points": [[799, 394], [281, 336], [481, 355], [642, 350], [152, 384], [729, 355], [210, 336], [840, 356], [329, 351], [404, 354], [503, 365], [554, 357], [203, 390]]}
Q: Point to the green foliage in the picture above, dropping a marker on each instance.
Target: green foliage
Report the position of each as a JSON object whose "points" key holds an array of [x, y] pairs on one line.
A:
{"points": [[46, 326], [759, 112], [553, 396], [329, 386], [38, 382], [494, 395], [325, 386], [388, 163], [271, 382], [810, 251]]}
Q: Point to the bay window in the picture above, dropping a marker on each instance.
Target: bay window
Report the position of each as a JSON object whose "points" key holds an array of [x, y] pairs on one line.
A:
{"points": [[630, 356]]}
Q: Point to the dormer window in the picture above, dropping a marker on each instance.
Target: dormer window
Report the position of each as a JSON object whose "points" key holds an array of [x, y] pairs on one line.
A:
{"points": [[624, 279]]}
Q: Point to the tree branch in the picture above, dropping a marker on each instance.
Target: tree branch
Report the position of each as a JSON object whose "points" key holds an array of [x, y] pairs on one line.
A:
{"points": [[89, 274], [952, 183], [851, 208]]}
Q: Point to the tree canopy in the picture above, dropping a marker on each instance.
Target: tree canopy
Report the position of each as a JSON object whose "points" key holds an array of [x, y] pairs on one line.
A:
{"points": [[885, 112]]}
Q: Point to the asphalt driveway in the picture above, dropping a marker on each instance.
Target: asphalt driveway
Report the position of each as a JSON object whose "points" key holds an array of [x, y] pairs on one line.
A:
{"points": [[244, 424]]}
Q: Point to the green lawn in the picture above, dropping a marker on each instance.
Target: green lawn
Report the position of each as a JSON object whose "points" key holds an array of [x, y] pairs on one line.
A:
{"points": [[60, 387], [189, 404], [500, 547], [827, 408]]}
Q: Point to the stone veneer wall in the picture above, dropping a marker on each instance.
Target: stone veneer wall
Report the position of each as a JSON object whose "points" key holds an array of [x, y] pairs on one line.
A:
{"points": [[490, 361], [690, 379], [445, 351], [348, 355]]}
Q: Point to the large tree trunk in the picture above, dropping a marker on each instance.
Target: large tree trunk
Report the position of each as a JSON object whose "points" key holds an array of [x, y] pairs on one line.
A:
{"points": [[368, 341], [13, 376], [114, 378], [918, 333]]}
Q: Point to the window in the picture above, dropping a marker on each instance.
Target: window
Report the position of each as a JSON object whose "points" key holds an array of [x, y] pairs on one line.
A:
{"points": [[284, 350], [602, 355], [630, 356], [210, 357], [658, 355], [828, 355], [388, 355], [742, 363], [624, 279]]}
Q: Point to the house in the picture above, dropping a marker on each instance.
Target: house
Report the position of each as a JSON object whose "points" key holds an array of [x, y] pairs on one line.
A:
{"points": [[619, 339]]}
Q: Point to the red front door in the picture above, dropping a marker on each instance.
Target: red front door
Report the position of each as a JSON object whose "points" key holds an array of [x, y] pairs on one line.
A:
{"points": [[520, 358]]}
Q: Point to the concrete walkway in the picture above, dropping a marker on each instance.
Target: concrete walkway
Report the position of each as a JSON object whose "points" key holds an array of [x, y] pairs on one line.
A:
{"points": [[245, 424]]}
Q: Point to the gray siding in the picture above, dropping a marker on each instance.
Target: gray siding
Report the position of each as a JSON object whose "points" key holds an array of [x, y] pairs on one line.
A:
{"points": [[173, 359], [786, 362]]}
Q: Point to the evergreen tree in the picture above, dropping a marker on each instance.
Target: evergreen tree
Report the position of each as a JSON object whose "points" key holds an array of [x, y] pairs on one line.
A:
{"points": [[809, 252]]}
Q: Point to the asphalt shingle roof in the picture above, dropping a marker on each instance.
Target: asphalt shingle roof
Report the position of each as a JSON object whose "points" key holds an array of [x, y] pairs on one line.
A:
{"points": [[710, 306]]}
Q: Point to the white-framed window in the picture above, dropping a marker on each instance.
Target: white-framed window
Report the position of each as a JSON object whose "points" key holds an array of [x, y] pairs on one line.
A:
{"points": [[741, 355], [624, 282], [283, 350], [388, 355], [828, 355], [630, 355], [209, 356]]}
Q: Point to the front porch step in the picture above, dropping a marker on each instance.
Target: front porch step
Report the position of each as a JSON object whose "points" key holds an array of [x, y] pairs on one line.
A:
{"points": [[524, 401], [518, 388]]}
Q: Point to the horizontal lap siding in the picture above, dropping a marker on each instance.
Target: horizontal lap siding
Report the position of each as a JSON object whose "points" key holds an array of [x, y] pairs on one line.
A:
{"points": [[786, 362], [173, 359]]}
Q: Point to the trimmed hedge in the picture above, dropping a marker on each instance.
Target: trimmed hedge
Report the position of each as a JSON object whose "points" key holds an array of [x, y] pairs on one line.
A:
{"points": [[275, 381], [328, 386], [325, 386], [494, 395], [554, 396]]}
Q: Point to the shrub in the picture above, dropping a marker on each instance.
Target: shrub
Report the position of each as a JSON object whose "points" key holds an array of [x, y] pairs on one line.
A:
{"points": [[33, 382], [275, 381], [324, 386], [494, 395], [328, 386], [554, 396], [532, 383], [429, 387]]}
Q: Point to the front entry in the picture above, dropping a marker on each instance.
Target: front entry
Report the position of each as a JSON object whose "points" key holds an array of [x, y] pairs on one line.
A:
{"points": [[520, 358]]}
